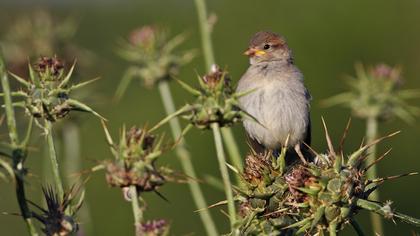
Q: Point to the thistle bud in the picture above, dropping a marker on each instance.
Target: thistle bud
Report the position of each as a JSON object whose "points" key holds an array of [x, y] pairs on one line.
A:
{"points": [[49, 68], [215, 102], [47, 93], [376, 93], [216, 78], [151, 56], [144, 36], [135, 161], [386, 72]]}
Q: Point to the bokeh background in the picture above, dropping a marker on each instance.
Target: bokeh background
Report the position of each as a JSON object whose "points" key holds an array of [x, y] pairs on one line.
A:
{"points": [[327, 39]]}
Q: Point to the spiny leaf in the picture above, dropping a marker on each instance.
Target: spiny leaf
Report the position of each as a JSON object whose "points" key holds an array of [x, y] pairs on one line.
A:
{"points": [[299, 223], [83, 107], [125, 81], [354, 157], [327, 136], [8, 168], [20, 80], [182, 110], [187, 87], [392, 177], [66, 79], [377, 160], [28, 132], [77, 86]]}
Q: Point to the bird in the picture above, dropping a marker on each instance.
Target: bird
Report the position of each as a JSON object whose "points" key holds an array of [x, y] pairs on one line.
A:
{"points": [[275, 96]]}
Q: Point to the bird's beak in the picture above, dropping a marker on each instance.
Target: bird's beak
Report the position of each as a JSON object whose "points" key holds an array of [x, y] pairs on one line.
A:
{"points": [[254, 52]]}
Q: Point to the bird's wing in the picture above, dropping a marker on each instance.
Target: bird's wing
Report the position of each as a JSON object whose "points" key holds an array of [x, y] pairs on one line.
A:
{"points": [[308, 136]]}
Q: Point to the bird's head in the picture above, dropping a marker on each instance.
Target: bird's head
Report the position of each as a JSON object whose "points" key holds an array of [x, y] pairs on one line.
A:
{"points": [[267, 46]]}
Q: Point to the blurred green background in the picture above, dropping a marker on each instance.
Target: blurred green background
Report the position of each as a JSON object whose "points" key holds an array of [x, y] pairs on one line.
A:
{"points": [[327, 39]]}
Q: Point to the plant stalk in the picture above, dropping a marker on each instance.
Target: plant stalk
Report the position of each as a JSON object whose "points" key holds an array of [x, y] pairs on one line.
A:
{"points": [[185, 159], [18, 154], [357, 227], [73, 164], [53, 159], [205, 33], [137, 212], [371, 134], [232, 148], [224, 171], [209, 60]]}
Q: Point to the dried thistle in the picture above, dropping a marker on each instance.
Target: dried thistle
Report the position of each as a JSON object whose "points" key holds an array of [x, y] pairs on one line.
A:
{"points": [[323, 195], [135, 161], [151, 55], [376, 93], [59, 218], [47, 94], [215, 102]]}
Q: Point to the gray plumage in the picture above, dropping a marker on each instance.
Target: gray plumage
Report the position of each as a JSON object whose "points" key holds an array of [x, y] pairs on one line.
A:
{"points": [[280, 101]]}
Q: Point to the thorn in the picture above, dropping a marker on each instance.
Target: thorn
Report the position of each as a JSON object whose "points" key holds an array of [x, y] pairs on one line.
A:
{"points": [[379, 180], [327, 136], [343, 138], [377, 160]]}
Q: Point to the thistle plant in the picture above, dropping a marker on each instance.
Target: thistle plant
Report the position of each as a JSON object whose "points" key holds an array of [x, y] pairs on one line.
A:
{"points": [[135, 171], [16, 151], [216, 106], [319, 197], [376, 95], [206, 25], [154, 60], [151, 55], [42, 32], [46, 97]]}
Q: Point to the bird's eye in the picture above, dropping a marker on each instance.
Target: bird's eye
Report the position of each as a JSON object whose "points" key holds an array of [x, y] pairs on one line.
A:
{"points": [[267, 46]]}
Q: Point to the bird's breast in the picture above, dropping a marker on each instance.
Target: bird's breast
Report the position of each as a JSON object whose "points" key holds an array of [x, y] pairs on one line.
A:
{"points": [[280, 106]]}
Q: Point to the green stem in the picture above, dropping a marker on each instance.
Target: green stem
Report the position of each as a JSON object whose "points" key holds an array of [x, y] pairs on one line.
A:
{"points": [[357, 227], [137, 212], [53, 159], [10, 113], [371, 133], [224, 171], [333, 228], [205, 33], [232, 148], [18, 154], [207, 45], [185, 159], [73, 164]]}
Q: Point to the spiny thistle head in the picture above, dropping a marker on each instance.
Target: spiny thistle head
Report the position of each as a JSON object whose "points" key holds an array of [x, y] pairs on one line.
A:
{"points": [[153, 228], [59, 218], [47, 93], [376, 93], [135, 161], [49, 68], [152, 57], [323, 195], [215, 102]]}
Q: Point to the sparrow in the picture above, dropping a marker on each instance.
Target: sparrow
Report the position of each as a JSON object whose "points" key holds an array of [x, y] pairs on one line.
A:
{"points": [[278, 98]]}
